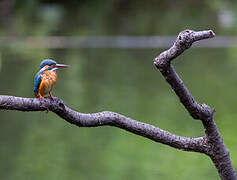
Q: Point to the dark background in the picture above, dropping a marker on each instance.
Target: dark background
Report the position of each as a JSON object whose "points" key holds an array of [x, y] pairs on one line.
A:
{"points": [[39, 145]]}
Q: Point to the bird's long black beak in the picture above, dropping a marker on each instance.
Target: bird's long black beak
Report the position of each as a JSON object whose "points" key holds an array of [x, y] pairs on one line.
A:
{"points": [[62, 66]]}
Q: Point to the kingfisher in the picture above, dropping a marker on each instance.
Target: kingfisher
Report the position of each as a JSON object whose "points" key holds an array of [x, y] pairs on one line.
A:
{"points": [[46, 78]]}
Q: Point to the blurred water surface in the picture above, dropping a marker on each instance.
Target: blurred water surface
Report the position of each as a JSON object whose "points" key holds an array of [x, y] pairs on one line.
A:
{"points": [[40, 145]]}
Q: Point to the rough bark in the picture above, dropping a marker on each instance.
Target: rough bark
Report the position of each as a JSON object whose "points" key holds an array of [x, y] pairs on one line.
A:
{"points": [[211, 144], [105, 118]]}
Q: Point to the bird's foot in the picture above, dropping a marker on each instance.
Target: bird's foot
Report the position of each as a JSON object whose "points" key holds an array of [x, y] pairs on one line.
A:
{"points": [[41, 97], [50, 95]]}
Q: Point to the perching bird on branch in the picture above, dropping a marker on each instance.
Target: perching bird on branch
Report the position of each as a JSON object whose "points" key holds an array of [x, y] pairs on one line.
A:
{"points": [[46, 78]]}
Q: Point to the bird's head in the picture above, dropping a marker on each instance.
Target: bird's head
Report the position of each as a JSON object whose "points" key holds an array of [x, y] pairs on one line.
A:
{"points": [[51, 65]]}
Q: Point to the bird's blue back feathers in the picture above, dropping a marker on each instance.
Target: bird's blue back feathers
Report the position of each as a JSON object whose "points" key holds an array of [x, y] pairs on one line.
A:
{"points": [[37, 81]]}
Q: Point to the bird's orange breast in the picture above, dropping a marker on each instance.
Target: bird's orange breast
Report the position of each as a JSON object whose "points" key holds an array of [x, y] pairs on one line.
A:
{"points": [[49, 79]]}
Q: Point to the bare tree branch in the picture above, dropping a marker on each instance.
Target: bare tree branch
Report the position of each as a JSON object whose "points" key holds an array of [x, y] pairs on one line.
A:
{"points": [[211, 144], [163, 63], [217, 151], [105, 118]]}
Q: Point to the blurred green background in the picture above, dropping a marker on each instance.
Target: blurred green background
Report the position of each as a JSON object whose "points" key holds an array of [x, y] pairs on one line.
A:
{"points": [[39, 145]]}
